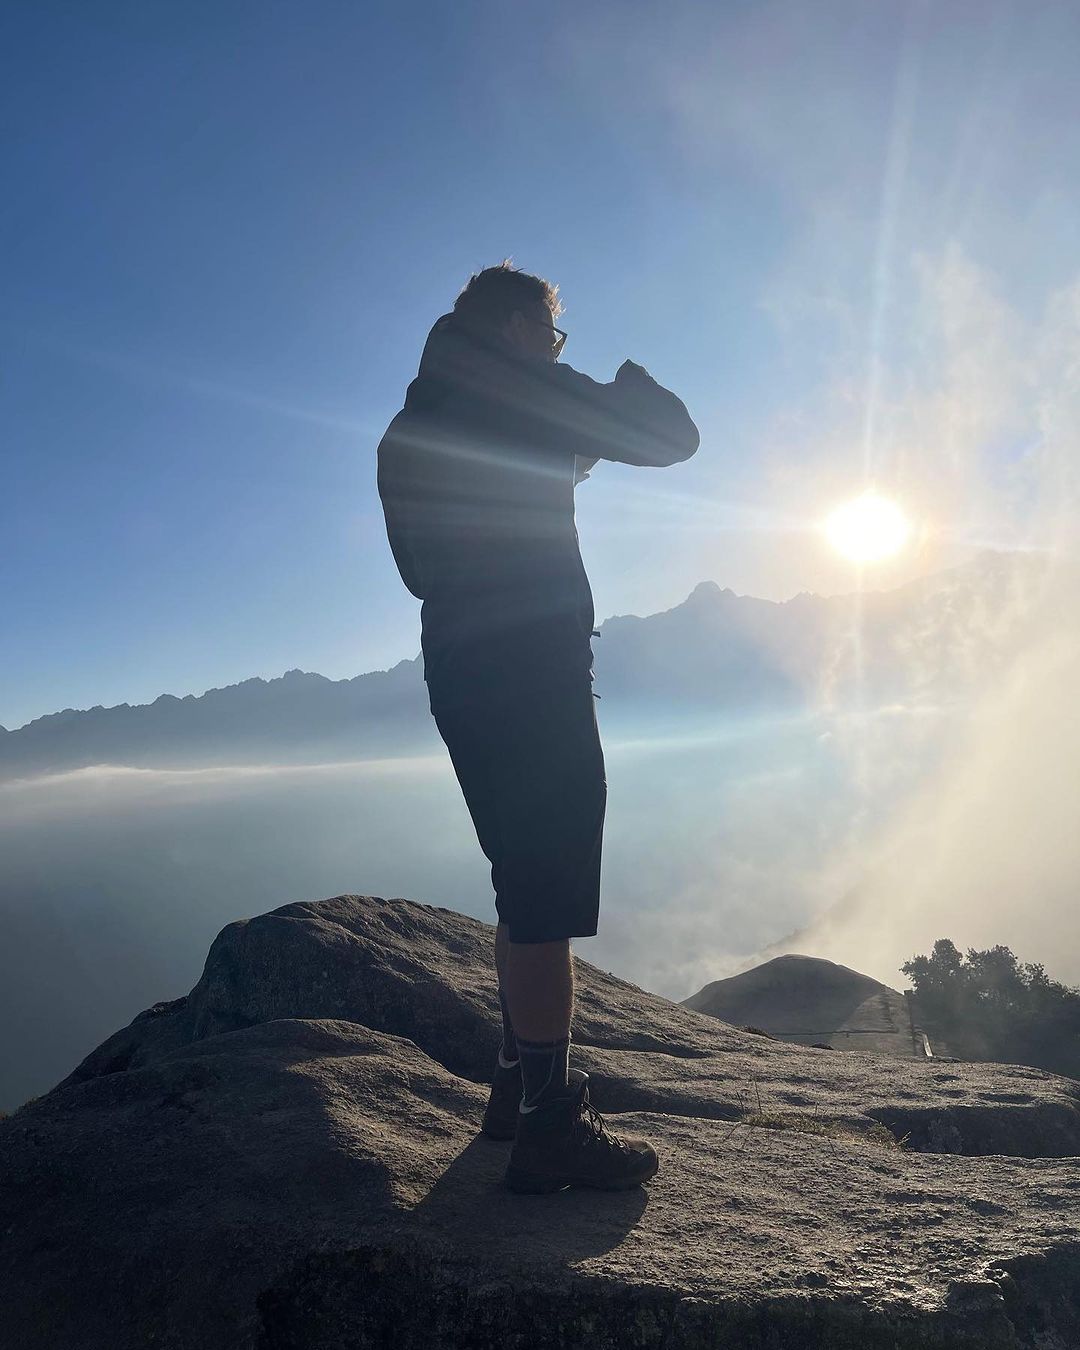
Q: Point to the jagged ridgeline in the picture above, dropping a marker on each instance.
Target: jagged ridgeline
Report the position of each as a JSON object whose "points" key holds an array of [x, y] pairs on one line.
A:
{"points": [[717, 653], [289, 1156]]}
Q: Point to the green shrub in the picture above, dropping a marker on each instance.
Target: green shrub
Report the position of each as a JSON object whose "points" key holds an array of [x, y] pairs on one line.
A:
{"points": [[989, 1006]]}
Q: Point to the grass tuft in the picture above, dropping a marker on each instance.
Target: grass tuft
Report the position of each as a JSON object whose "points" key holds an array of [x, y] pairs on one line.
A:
{"points": [[760, 1116]]}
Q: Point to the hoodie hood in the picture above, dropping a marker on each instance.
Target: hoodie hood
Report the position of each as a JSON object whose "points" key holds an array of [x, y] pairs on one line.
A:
{"points": [[456, 360]]}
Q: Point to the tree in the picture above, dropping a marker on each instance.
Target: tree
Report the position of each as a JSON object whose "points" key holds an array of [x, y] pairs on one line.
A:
{"points": [[990, 1006]]}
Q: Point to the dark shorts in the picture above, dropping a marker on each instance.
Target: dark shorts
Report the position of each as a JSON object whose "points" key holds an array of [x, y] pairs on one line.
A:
{"points": [[532, 770]]}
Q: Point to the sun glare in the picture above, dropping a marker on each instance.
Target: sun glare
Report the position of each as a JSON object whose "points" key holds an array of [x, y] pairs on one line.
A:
{"points": [[868, 529]]}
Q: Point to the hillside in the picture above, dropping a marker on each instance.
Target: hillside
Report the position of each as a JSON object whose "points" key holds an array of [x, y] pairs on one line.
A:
{"points": [[810, 1001]]}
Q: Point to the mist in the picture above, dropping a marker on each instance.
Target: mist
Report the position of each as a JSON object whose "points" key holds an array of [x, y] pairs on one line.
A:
{"points": [[116, 880], [988, 850]]}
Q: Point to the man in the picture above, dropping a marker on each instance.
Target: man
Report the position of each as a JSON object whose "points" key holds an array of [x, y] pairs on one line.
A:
{"points": [[477, 476]]}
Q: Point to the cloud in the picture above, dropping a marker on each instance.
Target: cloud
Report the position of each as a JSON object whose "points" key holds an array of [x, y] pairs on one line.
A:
{"points": [[113, 787]]}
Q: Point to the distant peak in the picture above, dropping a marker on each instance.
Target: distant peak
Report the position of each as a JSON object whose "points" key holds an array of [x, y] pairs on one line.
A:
{"points": [[305, 677], [707, 589]]}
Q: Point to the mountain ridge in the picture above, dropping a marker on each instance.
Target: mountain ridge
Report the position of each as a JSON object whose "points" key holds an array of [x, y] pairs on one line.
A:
{"points": [[714, 652], [707, 587]]}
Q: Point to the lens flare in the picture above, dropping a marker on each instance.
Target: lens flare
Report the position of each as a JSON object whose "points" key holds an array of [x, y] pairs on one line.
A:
{"points": [[868, 529]]}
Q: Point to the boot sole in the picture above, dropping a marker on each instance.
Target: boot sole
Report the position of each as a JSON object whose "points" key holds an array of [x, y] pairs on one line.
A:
{"points": [[523, 1182]]}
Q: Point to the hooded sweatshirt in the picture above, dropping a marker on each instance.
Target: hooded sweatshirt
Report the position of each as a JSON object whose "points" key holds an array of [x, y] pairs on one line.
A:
{"points": [[476, 475]]}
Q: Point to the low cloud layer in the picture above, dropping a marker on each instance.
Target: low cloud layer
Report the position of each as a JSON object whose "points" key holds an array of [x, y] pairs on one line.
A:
{"points": [[115, 881], [720, 832]]}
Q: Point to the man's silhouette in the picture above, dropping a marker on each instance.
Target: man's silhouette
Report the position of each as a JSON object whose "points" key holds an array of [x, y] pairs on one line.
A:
{"points": [[477, 476]]}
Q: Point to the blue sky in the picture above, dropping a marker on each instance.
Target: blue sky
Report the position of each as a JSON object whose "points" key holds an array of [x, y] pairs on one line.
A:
{"points": [[226, 229]]}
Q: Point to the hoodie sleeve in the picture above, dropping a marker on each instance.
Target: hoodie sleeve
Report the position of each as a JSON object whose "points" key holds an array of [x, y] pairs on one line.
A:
{"points": [[403, 493], [632, 420]]}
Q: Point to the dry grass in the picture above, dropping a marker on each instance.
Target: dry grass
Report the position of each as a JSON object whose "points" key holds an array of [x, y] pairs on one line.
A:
{"points": [[759, 1115]]}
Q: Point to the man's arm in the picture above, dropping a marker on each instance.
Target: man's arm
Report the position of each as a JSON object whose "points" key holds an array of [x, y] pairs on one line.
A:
{"points": [[632, 420]]}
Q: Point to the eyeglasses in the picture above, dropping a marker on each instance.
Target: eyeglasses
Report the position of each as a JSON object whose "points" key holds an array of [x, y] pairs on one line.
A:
{"points": [[560, 341]]}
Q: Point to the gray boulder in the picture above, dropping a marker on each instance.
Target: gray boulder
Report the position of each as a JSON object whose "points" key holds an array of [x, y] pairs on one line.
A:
{"points": [[290, 1157]]}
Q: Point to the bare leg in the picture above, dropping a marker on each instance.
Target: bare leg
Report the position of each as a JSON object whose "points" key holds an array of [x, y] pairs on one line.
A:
{"points": [[508, 1050], [502, 944], [540, 988]]}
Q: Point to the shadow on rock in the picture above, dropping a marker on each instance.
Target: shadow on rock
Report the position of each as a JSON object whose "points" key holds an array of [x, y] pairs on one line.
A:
{"points": [[567, 1226], [417, 1286]]}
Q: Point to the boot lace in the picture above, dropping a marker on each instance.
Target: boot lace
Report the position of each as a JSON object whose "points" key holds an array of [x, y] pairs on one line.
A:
{"points": [[594, 1130]]}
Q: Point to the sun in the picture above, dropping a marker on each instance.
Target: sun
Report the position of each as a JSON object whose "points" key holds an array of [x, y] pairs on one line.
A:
{"points": [[868, 529]]}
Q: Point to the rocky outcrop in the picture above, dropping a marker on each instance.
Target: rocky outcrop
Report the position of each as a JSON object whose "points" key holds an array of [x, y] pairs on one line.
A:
{"points": [[289, 1157]]}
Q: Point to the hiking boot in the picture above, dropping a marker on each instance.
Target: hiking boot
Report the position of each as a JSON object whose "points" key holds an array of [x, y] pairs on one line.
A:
{"points": [[501, 1115], [564, 1142]]}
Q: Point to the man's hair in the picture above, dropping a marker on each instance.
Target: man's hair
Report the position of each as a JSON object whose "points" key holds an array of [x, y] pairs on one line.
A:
{"points": [[491, 296]]}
